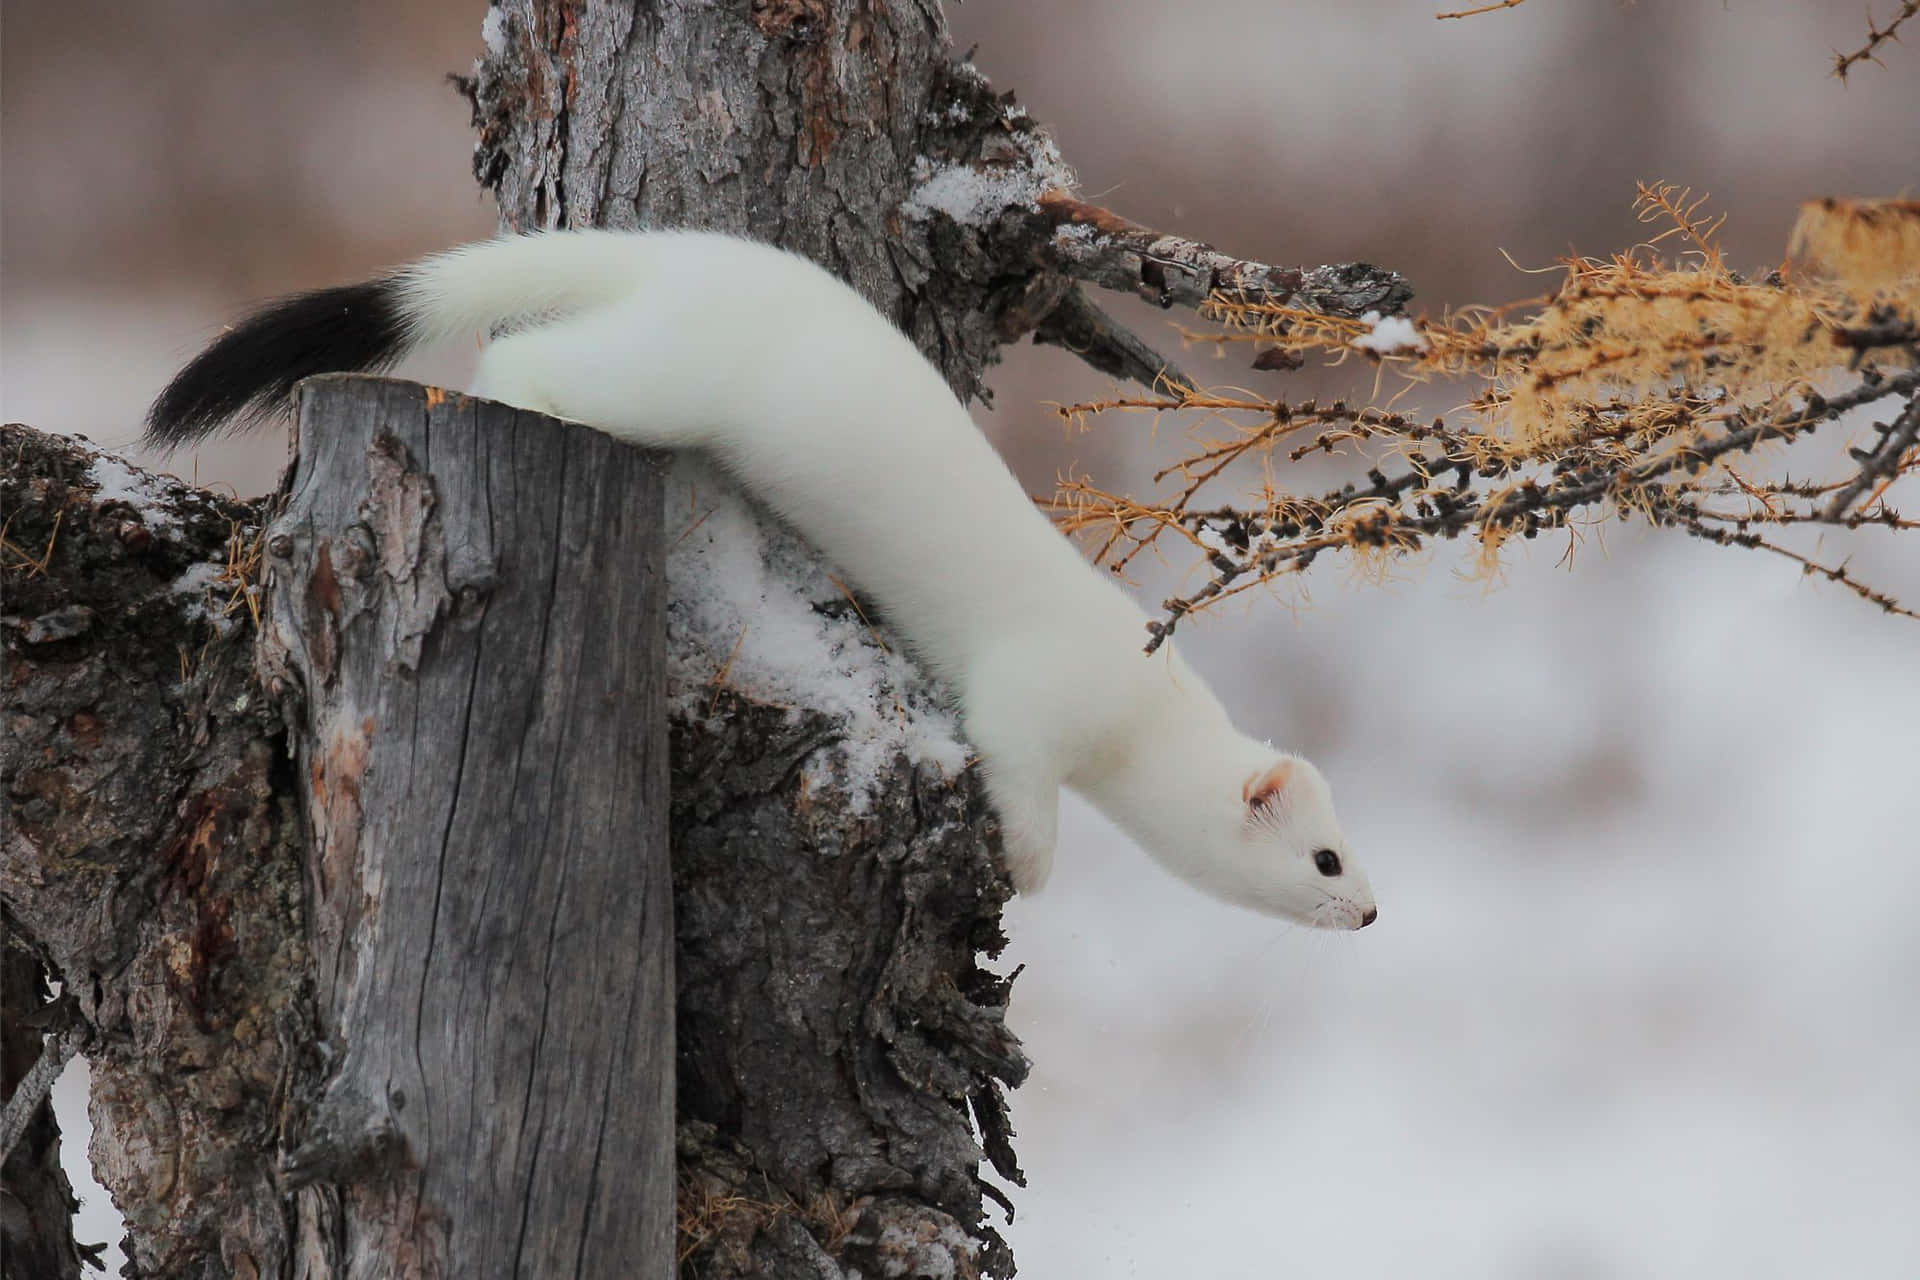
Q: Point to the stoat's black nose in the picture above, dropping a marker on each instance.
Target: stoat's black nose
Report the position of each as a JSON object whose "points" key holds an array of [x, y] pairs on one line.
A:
{"points": [[1373, 913]]}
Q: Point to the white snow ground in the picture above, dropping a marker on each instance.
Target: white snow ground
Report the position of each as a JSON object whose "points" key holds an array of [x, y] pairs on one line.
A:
{"points": [[1641, 1001]]}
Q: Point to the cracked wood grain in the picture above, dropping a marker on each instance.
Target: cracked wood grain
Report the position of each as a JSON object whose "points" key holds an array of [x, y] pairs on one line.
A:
{"points": [[470, 599]]}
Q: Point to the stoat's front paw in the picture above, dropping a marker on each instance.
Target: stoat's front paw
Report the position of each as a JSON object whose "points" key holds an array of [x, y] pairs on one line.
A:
{"points": [[1029, 861], [1021, 782], [1029, 821]]}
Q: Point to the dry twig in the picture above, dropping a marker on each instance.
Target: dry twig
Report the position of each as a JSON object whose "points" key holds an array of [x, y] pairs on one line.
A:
{"points": [[1876, 36], [1485, 8]]}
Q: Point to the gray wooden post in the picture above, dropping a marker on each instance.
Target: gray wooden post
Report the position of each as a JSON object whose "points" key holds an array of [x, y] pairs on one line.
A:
{"points": [[470, 600]]}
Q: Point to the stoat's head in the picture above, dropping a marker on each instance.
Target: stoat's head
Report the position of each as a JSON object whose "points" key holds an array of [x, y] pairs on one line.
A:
{"points": [[1287, 854]]}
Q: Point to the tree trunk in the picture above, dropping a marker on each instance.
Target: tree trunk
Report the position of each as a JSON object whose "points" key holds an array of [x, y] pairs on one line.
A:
{"points": [[257, 1115], [469, 600], [471, 1074], [264, 1110], [838, 1038], [810, 124], [834, 1030]]}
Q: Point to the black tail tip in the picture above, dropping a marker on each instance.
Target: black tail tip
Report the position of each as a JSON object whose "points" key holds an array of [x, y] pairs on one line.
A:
{"points": [[250, 371]]}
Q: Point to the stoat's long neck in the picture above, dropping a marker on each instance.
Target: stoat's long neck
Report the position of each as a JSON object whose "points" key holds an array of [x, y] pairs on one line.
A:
{"points": [[1177, 790]]}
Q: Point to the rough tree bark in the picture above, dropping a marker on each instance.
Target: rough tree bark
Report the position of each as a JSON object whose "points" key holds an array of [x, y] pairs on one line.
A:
{"points": [[838, 1043], [851, 132], [149, 848], [827, 1057]]}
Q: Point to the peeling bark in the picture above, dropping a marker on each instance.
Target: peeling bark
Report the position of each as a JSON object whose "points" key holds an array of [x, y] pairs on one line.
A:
{"points": [[835, 1028]]}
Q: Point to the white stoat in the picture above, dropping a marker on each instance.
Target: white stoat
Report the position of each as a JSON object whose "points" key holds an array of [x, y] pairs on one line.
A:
{"points": [[832, 418]]}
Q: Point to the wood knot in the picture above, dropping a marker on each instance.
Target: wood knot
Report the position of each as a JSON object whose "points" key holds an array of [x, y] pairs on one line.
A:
{"points": [[795, 20]]}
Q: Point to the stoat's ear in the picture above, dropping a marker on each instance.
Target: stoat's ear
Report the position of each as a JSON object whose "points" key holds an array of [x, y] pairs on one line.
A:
{"points": [[1266, 791]]}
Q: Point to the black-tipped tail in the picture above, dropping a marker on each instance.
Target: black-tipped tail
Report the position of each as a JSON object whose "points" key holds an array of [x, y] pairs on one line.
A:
{"points": [[251, 369]]}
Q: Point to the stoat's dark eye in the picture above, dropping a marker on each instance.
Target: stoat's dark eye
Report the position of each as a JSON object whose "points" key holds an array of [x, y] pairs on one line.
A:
{"points": [[1328, 861]]}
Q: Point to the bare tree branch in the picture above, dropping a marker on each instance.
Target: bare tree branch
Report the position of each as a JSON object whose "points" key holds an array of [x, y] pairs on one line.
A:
{"points": [[1082, 327], [1877, 35], [1399, 513], [1480, 9], [36, 1197], [1093, 244], [1883, 461], [1632, 389]]}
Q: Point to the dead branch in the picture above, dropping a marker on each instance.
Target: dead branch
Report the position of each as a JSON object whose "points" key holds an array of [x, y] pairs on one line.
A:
{"points": [[1485, 8], [1082, 327], [38, 1082], [1876, 36], [1399, 514], [1093, 244]]}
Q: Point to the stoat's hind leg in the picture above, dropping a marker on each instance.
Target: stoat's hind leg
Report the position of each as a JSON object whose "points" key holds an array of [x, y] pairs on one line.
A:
{"points": [[513, 372], [617, 370]]}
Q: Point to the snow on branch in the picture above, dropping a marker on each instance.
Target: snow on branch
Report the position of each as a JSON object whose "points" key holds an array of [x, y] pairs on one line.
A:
{"points": [[991, 202]]}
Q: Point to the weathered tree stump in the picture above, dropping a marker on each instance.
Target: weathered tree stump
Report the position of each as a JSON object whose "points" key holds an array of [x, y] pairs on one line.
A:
{"points": [[471, 599], [837, 1041]]}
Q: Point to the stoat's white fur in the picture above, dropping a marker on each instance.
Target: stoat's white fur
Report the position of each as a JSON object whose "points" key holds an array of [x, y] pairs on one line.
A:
{"points": [[831, 417]]}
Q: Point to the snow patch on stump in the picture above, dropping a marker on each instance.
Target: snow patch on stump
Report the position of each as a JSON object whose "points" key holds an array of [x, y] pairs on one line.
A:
{"points": [[197, 584], [117, 481], [752, 611]]}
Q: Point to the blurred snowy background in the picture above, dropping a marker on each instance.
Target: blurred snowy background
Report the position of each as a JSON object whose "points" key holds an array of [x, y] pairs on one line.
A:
{"points": [[1644, 998]]}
